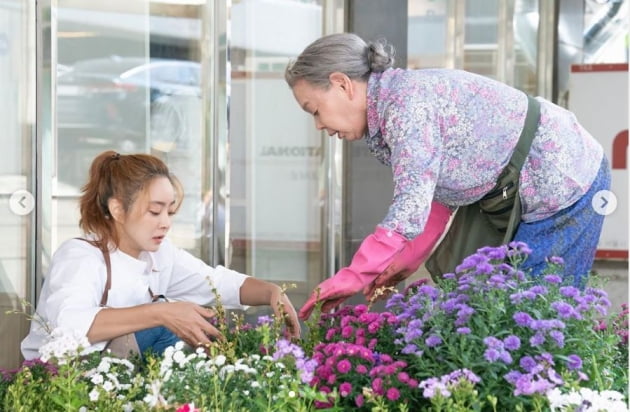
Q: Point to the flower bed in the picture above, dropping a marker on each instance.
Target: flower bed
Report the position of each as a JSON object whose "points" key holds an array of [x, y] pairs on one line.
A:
{"points": [[486, 338]]}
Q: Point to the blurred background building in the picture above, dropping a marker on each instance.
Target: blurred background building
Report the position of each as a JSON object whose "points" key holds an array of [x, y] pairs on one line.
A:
{"points": [[200, 84]]}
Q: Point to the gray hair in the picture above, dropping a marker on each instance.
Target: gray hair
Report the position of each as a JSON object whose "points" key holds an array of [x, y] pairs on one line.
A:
{"points": [[342, 52]]}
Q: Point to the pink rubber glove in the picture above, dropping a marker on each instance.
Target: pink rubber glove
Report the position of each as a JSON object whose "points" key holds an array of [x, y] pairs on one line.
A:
{"points": [[415, 252], [378, 252]]}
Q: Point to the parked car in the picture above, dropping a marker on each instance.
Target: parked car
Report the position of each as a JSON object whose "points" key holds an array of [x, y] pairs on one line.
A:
{"points": [[129, 104]]}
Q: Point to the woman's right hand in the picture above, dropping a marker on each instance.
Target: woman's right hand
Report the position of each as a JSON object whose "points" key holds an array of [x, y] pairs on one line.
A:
{"points": [[189, 322]]}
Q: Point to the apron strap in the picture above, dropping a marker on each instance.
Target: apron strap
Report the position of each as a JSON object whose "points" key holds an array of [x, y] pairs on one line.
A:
{"points": [[108, 265]]}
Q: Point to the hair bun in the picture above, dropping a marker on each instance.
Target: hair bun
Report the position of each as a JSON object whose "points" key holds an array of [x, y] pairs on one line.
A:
{"points": [[380, 55]]}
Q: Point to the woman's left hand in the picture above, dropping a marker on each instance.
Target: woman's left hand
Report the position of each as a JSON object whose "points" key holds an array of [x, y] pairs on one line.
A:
{"points": [[256, 292], [283, 309]]}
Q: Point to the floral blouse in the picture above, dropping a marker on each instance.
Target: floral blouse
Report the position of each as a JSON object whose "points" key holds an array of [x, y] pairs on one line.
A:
{"points": [[448, 134]]}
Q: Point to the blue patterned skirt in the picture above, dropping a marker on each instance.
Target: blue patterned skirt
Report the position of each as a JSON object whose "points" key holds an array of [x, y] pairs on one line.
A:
{"points": [[573, 234]]}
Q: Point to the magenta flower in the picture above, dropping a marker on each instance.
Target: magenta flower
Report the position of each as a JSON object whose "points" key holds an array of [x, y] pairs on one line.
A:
{"points": [[393, 394], [345, 389], [344, 366]]}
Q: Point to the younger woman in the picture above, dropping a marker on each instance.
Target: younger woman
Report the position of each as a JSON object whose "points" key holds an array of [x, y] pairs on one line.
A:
{"points": [[103, 285]]}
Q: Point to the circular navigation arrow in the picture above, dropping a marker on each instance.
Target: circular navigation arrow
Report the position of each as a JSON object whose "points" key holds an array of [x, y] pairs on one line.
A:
{"points": [[604, 202], [21, 202]]}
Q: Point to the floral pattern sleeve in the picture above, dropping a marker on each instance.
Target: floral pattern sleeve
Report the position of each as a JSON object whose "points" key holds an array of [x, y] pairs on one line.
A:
{"points": [[415, 147]]}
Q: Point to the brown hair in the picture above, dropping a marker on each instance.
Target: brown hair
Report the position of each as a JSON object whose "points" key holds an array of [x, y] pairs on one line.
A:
{"points": [[122, 177]]}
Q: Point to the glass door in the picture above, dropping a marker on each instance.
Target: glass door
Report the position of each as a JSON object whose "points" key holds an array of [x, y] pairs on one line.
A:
{"points": [[18, 187]]}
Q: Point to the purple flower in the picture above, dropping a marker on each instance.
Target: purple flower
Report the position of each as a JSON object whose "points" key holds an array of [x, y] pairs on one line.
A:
{"points": [[564, 309], [463, 330], [492, 342], [512, 343], [574, 362], [558, 337], [505, 357], [569, 291], [537, 340], [491, 354], [484, 268], [522, 319], [432, 386], [429, 291], [553, 279], [433, 341], [538, 290], [512, 376], [528, 363], [556, 260], [265, 320]]}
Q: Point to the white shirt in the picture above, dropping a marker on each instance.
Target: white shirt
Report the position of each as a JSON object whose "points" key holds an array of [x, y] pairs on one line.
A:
{"points": [[73, 288]]}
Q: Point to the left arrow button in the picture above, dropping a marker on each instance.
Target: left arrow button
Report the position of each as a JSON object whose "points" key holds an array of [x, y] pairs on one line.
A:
{"points": [[21, 202]]}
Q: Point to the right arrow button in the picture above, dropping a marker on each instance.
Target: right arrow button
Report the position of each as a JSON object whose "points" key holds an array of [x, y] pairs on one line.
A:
{"points": [[604, 202]]}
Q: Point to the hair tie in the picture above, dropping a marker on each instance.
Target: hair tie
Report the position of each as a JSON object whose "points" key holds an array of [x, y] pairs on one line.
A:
{"points": [[116, 156]]}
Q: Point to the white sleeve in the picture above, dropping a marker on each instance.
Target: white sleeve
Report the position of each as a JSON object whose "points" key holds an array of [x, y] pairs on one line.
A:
{"points": [[73, 288], [193, 280]]}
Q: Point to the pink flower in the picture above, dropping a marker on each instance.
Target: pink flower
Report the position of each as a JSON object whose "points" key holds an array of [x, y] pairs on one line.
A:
{"points": [[377, 386], [330, 333], [344, 366], [393, 394], [187, 407], [345, 389], [403, 377], [362, 369], [359, 400]]}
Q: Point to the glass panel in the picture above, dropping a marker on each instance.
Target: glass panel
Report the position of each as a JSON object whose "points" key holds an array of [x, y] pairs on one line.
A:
{"points": [[17, 186], [276, 152], [606, 31], [526, 20], [128, 79], [480, 37], [427, 20]]}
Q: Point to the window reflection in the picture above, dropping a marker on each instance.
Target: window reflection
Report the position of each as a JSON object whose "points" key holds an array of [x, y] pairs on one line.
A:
{"points": [[129, 79], [275, 150]]}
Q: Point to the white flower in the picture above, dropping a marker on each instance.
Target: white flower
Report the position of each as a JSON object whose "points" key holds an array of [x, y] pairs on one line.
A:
{"points": [[104, 365], [108, 386], [64, 344], [97, 379], [586, 400], [291, 394], [153, 396], [94, 393], [167, 375], [220, 360], [255, 384], [179, 357]]}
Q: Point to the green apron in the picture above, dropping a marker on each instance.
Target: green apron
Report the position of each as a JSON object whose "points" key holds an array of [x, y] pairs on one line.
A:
{"points": [[493, 220]]}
